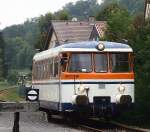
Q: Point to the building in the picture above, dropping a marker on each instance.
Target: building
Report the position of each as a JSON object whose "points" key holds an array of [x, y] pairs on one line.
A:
{"points": [[61, 32]]}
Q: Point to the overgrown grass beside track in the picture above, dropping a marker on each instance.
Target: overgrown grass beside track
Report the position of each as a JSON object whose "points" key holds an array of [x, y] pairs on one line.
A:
{"points": [[3, 85], [10, 94]]}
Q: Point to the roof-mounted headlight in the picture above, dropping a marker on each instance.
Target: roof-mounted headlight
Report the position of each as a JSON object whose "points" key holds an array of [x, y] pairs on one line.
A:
{"points": [[100, 46]]}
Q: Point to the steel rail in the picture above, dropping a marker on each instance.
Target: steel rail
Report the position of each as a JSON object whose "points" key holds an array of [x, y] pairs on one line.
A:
{"points": [[109, 126], [88, 128], [131, 128]]}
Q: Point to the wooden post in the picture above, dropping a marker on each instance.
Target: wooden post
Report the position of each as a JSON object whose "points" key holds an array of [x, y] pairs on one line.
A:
{"points": [[16, 122], [16, 108]]}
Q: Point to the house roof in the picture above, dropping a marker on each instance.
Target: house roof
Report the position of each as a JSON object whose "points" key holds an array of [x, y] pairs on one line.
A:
{"points": [[72, 31], [100, 27]]}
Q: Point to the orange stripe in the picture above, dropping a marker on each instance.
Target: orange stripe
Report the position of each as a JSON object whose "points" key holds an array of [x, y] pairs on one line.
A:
{"points": [[67, 76]]}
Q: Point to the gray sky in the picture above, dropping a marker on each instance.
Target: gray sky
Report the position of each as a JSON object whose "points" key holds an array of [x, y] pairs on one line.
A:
{"points": [[17, 11]]}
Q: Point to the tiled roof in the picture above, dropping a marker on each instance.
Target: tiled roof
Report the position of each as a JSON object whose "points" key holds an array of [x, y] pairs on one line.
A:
{"points": [[72, 31], [101, 27]]}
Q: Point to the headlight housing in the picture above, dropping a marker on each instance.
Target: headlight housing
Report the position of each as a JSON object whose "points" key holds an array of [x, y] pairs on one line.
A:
{"points": [[100, 46], [121, 89]]}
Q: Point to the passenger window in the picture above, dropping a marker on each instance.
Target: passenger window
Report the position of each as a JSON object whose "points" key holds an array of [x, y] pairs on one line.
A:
{"points": [[64, 61], [55, 67], [51, 67]]}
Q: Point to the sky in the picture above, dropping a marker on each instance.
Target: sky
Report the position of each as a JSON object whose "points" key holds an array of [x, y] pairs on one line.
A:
{"points": [[17, 11]]}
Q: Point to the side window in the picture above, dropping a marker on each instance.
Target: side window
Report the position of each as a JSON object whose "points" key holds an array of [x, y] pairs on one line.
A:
{"points": [[46, 65], [36, 75], [51, 67], [38, 71], [41, 70], [55, 67], [45, 69], [64, 62], [33, 71]]}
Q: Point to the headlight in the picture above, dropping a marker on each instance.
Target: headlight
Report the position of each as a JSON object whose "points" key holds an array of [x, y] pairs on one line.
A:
{"points": [[121, 89], [82, 89], [100, 46]]}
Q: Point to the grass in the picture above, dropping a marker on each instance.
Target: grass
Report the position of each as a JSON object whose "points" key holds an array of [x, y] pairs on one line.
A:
{"points": [[11, 94], [4, 85]]}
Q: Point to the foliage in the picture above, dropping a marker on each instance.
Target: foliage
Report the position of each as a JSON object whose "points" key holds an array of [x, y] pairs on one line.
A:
{"points": [[44, 23], [20, 40], [2, 63], [61, 15], [82, 9], [122, 25], [118, 20], [11, 94], [133, 6], [142, 48], [12, 77]]}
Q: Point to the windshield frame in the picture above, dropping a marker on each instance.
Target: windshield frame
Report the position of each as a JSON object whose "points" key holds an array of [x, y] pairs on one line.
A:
{"points": [[130, 63], [107, 60], [91, 64]]}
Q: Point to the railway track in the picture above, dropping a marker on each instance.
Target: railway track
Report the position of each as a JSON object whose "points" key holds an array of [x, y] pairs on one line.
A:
{"points": [[111, 126], [95, 125]]}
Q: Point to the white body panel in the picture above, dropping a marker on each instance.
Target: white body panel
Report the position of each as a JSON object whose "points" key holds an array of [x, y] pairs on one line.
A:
{"points": [[111, 90], [50, 90]]}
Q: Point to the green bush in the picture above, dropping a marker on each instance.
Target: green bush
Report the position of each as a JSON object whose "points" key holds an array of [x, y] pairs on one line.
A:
{"points": [[12, 77]]}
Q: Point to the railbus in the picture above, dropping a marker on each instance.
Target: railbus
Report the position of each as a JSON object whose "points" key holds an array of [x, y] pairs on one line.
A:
{"points": [[92, 78]]}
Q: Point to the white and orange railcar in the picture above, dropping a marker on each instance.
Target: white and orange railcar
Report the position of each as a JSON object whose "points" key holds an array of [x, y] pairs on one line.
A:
{"points": [[92, 77]]}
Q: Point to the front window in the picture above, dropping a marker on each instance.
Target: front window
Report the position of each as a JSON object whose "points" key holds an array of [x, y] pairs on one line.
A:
{"points": [[80, 62], [101, 62], [120, 62]]}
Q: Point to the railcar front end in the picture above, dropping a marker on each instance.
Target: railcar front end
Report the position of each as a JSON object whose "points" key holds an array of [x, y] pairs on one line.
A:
{"points": [[93, 79]]}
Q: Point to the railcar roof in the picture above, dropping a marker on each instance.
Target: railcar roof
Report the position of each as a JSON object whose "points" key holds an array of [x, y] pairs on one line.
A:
{"points": [[93, 44], [86, 46]]}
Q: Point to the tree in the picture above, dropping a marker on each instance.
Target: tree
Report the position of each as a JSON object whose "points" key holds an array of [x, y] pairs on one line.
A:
{"points": [[141, 45], [2, 63], [82, 9], [44, 26], [118, 20], [133, 6], [61, 15]]}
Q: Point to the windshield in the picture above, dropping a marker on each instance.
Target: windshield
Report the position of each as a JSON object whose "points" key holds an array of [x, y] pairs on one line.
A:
{"points": [[101, 62], [80, 63], [120, 62]]}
